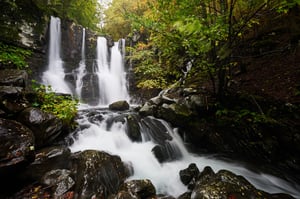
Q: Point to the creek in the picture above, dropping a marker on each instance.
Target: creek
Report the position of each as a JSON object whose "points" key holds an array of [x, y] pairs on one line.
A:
{"points": [[105, 130]]}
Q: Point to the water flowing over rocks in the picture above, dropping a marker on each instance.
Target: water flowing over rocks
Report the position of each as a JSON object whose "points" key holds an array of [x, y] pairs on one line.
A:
{"points": [[50, 170], [194, 112]]}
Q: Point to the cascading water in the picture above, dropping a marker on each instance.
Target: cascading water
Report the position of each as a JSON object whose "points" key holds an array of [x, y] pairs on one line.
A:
{"points": [[80, 72], [55, 75], [112, 77], [107, 135]]}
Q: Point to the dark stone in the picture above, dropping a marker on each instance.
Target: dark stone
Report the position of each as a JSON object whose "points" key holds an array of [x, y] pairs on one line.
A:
{"points": [[60, 180], [226, 184], [90, 89], [98, 174], [119, 106], [45, 126], [16, 147], [133, 128], [139, 188], [12, 100], [186, 175], [46, 160], [11, 77]]}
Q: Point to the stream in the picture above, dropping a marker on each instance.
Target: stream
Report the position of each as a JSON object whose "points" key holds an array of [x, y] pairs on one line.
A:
{"points": [[102, 129]]}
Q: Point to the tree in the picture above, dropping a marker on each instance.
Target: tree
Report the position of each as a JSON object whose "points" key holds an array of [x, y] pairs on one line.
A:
{"points": [[118, 17], [203, 34]]}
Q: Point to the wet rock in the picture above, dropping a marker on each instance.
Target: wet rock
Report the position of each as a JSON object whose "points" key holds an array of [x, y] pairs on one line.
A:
{"points": [[60, 180], [13, 77], [45, 126], [119, 106], [166, 152], [90, 89], [186, 175], [139, 189], [155, 130], [225, 184], [12, 99], [16, 147], [147, 109], [178, 114], [98, 174], [133, 128]]}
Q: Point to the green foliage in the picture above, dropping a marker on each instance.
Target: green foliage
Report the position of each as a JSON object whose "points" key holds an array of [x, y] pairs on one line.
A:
{"points": [[14, 55], [148, 72], [84, 12], [63, 106], [121, 16]]}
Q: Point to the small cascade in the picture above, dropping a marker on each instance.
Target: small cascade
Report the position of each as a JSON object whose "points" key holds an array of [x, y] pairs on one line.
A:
{"points": [[81, 71], [108, 131], [111, 74], [55, 75]]}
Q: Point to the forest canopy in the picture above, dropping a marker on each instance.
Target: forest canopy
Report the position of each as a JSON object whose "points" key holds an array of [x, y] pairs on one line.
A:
{"points": [[184, 34]]}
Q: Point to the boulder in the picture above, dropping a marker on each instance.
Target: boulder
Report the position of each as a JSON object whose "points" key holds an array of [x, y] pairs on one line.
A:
{"points": [[98, 174], [119, 106], [16, 147], [138, 189], [45, 126], [225, 184]]}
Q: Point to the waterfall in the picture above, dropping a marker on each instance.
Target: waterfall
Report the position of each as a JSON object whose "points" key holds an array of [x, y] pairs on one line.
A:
{"points": [[110, 135], [104, 83], [111, 74], [80, 72], [55, 75]]}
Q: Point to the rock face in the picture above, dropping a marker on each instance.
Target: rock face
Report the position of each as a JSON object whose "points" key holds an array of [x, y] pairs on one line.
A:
{"points": [[16, 147], [45, 126], [246, 133], [223, 184]]}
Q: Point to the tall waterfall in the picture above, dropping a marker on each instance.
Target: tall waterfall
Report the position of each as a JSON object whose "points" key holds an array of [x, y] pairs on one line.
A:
{"points": [[80, 72], [111, 74], [55, 75]]}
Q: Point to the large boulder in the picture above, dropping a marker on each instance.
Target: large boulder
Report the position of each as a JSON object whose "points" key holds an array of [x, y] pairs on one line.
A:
{"points": [[223, 184], [45, 126], [16, 147], [98, 174]]}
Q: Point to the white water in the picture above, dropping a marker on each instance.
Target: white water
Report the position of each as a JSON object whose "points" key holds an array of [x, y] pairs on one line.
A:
{"points": [[165, 177], [81, 71], [55, 75], [112, 77]]}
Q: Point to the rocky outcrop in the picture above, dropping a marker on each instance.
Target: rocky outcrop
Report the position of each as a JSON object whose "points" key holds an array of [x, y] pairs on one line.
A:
{"points": [[245, 133], [223, 184], [16, 147], [33, 129], [45, 126]]}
